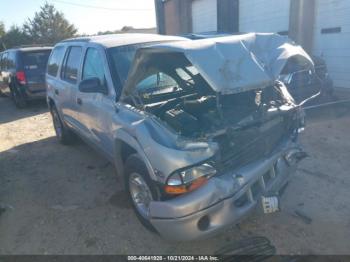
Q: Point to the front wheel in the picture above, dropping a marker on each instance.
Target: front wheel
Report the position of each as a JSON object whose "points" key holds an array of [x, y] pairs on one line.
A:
{"points": [[63, 134], [141, 189]]}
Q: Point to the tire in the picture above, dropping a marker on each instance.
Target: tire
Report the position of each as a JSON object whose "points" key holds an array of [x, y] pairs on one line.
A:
{"points": [[135, 166], [18, 98], [63, 134]]}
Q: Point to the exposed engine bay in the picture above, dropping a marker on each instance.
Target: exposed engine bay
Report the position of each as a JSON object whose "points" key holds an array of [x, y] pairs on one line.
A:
{"points": [[246, 126], [200, 116]]}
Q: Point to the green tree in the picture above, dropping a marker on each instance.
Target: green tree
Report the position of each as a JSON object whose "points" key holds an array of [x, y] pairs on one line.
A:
{"points": [[48, 26], [2, 33], [2, 29], [126, 28], [14, 37]]}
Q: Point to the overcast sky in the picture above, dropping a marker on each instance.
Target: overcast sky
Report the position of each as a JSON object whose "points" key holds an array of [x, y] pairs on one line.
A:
{"points": [[89, 16]]}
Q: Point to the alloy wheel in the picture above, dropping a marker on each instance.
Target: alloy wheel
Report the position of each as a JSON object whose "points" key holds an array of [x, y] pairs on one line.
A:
{"points": [[140, 193]]}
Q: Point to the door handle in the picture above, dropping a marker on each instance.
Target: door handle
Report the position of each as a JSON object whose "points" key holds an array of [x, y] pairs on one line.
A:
{"points": [[79, 101], [57, 92]]}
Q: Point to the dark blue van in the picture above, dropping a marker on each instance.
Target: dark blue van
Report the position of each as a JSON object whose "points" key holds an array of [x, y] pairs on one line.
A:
{"points": [[22, 73]]}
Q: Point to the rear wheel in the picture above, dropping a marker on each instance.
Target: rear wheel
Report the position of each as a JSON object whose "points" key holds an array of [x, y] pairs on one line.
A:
{"points": [[141, 189], [63, 134], [18, 98]]}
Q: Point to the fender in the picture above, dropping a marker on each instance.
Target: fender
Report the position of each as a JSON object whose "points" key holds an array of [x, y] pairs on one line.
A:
{"points": [[122, 135]]}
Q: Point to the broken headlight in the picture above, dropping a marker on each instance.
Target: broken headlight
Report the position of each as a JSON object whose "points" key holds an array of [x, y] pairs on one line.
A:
{"points": [[190, 179]]}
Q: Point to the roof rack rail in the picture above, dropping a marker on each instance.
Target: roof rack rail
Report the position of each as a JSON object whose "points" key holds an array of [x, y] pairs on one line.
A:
{"points": [[76, 39], [32, 45]]}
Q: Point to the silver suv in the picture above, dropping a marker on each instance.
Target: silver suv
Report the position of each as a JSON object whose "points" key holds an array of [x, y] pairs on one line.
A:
{"points": [[200, 132]]}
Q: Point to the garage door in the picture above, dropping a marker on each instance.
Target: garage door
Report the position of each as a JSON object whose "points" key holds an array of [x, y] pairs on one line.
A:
{"points": [[332, 38], [264, 16], [204, 16]]}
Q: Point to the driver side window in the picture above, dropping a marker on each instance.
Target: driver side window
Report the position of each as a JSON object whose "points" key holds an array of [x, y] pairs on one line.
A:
{"points": [[93, 65]]}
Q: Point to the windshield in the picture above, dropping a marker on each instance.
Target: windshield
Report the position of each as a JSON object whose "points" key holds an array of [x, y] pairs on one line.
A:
{"points": [[35, 60], [121, 58], [170, 82], [164, 77]]}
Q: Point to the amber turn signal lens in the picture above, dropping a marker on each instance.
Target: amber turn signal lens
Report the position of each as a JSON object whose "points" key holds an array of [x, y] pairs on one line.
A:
{"points": [[198, 183], [175, 190], [179, 190]]}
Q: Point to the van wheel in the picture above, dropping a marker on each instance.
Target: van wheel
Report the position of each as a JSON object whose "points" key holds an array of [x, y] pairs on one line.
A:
{"points": [[63, 134], [140, 189], [18, 99]]}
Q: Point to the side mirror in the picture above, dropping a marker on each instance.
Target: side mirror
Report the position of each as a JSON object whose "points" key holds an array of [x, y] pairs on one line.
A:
{"points": [[92, 85]]}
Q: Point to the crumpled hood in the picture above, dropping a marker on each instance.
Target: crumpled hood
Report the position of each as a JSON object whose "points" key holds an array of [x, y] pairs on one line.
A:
{"points": [[230, 64]]}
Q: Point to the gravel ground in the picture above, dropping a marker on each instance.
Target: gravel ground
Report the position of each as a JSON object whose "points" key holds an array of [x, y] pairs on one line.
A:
{"points": [[67, 200]]}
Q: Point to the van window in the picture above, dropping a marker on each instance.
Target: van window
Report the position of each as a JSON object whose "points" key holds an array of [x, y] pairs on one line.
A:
{"points": [[1, 61], [55, 60], [4, 61], [71, 66], [11, 60], [93, 65], [36, 60]]}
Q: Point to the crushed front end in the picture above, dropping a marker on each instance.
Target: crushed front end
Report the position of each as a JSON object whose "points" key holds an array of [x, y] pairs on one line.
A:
{"points": [[256, 156], [221, 134], [225, 199]]}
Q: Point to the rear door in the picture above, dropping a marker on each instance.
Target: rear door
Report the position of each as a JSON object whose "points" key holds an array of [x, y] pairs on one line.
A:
{"points": [[34, 63], [67, 88]]}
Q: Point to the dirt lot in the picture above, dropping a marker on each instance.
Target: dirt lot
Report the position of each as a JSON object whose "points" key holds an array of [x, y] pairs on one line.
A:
{"points": [[67, 200]]}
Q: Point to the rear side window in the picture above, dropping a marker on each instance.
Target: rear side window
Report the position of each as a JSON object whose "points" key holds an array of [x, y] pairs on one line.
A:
{"points": [[35, 60], [72, 64], [55, 60]]}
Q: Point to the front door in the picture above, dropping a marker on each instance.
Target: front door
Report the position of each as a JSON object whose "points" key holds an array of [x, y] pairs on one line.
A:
{"points": [[97, 109]]}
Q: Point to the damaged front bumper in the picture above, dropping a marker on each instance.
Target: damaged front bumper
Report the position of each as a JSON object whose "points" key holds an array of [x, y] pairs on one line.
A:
{"points": [[225, 199]]}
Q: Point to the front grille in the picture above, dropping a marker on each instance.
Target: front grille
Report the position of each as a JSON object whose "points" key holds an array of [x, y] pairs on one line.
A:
{"points": [[239, 148], [256, 189]]}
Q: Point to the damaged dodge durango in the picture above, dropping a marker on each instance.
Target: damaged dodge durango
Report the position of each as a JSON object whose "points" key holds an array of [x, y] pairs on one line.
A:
{"points": [[200, 132]]}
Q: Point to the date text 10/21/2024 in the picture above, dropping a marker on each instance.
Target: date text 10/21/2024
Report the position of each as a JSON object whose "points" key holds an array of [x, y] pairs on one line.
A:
{"points": [[173, 258]]}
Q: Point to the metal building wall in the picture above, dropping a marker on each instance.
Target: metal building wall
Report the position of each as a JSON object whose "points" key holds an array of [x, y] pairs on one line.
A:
{"points": [[332, 38]]}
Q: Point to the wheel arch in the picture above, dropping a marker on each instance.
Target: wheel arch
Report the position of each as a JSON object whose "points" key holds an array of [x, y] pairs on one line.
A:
{"points": [[50, 102], [124, 146]]}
